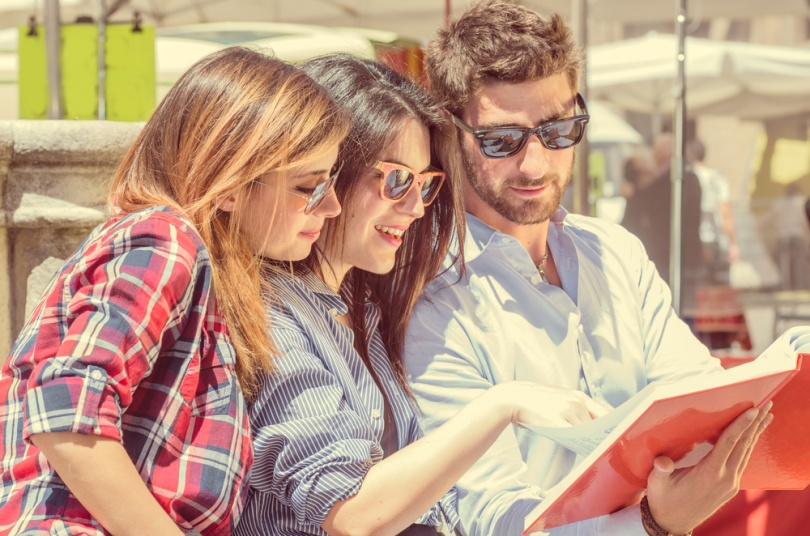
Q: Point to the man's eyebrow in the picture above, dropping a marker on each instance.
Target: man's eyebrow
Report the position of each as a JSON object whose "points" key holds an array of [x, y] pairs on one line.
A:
{"points": [[491, 126], [565, 114]]}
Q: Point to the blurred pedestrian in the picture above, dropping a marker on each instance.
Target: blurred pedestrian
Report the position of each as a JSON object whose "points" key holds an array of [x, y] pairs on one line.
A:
{"points": [[648, 214], [789, 218], [717, 235]]}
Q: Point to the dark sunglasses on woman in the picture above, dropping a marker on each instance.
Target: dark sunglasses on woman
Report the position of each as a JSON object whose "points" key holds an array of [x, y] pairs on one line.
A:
{"points": [[503, 142]]}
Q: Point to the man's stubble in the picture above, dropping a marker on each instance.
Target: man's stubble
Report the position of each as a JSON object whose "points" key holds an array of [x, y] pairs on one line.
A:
{"points": [[522, 212]]}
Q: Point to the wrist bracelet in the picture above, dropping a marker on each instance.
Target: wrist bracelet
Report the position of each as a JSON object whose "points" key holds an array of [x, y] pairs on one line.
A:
{"points": [[650, 525]]}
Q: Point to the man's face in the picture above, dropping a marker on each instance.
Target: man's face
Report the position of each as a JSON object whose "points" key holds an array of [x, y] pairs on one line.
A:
{"points": [[525, 188]]}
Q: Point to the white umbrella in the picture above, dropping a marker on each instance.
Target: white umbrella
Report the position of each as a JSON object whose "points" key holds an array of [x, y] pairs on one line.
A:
{"points": [[178, 48], [606, 126], [723, 77], [416, 19], [412, 19], [653, 11]]}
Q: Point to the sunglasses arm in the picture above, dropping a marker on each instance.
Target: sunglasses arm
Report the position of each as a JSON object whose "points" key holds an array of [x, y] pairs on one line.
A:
{"points": [[461, 124]]}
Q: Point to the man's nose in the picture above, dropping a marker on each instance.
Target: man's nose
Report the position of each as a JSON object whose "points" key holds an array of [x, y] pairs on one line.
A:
{"points": [[534, 158]]}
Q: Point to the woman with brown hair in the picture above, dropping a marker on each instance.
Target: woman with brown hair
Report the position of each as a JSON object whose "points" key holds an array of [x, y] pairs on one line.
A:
{"points": [[122, 399], [337, 443]]}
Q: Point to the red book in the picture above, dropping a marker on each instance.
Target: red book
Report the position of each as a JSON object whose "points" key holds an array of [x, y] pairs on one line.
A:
{"points": [[682, 420]]}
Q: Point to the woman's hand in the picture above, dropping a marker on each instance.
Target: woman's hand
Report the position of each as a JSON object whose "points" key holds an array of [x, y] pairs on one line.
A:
{"points": [[543, 405]]}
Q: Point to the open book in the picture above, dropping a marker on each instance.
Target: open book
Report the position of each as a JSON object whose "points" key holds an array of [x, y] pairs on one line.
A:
{"points": [[682, 420]]}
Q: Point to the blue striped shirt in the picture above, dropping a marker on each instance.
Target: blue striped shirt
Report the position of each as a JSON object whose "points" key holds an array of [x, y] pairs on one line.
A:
{"points": [[318, 423]]}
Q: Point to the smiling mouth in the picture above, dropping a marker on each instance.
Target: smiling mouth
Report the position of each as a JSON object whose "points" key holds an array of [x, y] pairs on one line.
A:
{"points": [[390, 231]]}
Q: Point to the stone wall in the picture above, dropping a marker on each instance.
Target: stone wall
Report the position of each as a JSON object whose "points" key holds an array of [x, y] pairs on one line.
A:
{"points": [[53, 183]]}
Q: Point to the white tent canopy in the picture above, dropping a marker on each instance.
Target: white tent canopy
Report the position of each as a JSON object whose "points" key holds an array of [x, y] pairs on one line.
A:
{"points": [[416, 19], [723, 77], [606, 126]]}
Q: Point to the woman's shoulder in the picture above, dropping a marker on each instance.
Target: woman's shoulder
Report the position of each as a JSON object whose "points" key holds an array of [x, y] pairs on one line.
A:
{"points": [[157, 227], [156, 238], [161, 222], [298, 300]]}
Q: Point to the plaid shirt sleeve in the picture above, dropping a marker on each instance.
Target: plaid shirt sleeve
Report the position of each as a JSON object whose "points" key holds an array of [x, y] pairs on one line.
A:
{"points": [[127, 343], [128, 299]]}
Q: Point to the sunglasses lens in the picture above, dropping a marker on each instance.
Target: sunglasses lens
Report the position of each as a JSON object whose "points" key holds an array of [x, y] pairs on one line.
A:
{"points": [[397, 183], [502, 142], [430, 188], [318, 195], [563, 134]]}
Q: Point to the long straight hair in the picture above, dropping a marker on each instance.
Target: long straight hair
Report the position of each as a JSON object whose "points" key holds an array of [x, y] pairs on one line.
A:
{"points": [[234, 116], [380, 102]]}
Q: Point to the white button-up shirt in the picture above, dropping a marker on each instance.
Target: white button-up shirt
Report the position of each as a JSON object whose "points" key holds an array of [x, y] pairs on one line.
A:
{"points": [[609, 331]]}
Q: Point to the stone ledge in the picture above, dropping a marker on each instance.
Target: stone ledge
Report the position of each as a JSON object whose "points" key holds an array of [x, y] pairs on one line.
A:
{"points": [[54, 177], [53, 142], [42, 211]]}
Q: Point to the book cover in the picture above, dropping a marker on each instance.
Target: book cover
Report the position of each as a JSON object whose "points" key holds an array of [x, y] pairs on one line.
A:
{"points": [[682, 420]]}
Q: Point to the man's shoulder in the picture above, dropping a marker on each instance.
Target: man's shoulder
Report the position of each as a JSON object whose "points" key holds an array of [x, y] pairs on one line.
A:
{"points": [[591, 228], [447, 288]]}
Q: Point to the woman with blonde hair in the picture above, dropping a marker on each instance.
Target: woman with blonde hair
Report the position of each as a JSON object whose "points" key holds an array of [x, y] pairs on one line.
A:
{"points": [[123, 399], [337, 442]]}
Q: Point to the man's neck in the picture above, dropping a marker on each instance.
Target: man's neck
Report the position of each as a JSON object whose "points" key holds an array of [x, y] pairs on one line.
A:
{"points": [[533, 237]]}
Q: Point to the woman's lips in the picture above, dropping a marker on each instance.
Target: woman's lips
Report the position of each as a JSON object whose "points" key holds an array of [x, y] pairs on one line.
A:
{"points": [[311, 235]]}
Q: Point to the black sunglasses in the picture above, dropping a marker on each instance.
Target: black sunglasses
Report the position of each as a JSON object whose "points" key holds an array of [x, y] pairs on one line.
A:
{"points": [[556, 135]]}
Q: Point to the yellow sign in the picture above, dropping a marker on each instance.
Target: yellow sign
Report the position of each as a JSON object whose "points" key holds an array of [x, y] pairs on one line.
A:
{"points": [[130, 66]]}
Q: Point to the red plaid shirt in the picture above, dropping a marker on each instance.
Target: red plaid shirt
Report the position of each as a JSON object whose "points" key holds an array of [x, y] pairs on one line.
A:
{"points": [[127, 344]]}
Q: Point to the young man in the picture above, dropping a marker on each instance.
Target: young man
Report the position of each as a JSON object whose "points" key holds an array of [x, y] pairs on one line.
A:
{"points": [[559, 299]]}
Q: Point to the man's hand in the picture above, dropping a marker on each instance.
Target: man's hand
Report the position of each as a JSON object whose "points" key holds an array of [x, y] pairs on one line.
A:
{"points": [[680, 500]]}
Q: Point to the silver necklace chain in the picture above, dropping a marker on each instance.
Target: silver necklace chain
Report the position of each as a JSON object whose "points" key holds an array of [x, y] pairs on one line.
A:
{"points": [[539, 266]]}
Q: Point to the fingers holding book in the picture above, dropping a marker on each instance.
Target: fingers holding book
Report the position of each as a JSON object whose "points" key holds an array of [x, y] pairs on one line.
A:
{"points": [[679, 500]]}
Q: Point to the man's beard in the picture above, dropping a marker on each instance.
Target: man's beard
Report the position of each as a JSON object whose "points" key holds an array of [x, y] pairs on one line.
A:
{"points": [[522, 212]]}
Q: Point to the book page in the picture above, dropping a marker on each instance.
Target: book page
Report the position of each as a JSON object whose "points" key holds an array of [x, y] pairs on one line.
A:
{"points": [[586, 437]]}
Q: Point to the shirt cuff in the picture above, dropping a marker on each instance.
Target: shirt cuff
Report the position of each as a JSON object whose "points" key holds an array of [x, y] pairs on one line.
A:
{"points": [[336, 478], [72, 400]]}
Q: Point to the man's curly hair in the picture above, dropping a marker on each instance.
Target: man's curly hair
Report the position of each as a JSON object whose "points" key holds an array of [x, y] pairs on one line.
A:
{"points": [[498, 41]]}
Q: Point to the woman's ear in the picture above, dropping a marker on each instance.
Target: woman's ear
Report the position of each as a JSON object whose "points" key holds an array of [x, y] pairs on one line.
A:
{"points": [[227, 204]]}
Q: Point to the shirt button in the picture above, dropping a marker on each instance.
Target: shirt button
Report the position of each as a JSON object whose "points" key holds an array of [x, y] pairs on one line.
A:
{"points": [[96, 375], [375, 413], [505, 240], [535, 280], [333, 311]]}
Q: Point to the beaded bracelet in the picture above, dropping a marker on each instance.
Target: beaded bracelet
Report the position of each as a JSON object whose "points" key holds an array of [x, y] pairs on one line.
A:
{"points": [[650, 525]]}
